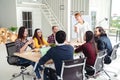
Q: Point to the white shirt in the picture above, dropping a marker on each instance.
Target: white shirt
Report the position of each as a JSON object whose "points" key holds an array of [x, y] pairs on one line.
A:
{"points": [[81, 29]]}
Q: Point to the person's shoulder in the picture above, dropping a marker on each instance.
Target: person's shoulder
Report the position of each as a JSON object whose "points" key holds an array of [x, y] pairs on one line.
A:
{"points": [[103, 37], [85, 44], [67, 45], [18, 40], [50, 36], [34, 38], [86, 23], [77, 24]]}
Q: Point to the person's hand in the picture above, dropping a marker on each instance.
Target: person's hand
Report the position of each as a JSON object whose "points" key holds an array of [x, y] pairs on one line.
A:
{"points": [[30, 41]]}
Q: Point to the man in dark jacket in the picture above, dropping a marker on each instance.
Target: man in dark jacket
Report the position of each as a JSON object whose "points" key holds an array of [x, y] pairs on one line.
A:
{"points": [[58, 53], [103, 42]]}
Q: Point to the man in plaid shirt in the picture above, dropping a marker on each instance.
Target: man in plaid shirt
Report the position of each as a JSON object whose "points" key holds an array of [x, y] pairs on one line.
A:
{"points": [[51, 38]]}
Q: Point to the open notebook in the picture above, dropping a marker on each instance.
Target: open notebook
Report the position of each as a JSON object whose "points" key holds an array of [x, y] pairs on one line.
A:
{"points": [[44, 50]]}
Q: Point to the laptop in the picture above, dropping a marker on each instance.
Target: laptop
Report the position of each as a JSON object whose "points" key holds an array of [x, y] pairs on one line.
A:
{"points": [[44, 50]]}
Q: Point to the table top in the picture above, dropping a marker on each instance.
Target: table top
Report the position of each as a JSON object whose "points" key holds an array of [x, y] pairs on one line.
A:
{"points": [[30, 55], [35, 55]]}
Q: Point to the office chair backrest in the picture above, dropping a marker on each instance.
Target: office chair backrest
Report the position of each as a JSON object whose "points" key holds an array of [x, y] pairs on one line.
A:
{"points": [[99, 62], [73, 69], [114, 52], [11, 49]]}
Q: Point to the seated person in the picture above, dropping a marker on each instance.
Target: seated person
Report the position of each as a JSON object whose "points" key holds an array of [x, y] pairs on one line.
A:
{"points": [[51, 38], [89, 50], [22, 43], [103, 42], [58, 53], [39, 41]]}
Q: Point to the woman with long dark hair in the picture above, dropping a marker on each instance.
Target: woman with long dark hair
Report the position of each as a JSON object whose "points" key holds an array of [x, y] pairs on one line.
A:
{"points": [[21, 44], [39, 41], [89, 50]]}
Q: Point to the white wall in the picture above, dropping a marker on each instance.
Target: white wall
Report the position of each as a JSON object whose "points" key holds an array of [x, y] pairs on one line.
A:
{"points": [[7, 13], [102, 8], [36, 16], [46, 28]]}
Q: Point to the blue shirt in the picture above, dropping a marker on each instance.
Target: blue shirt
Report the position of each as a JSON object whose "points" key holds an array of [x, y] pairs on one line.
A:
{"points": [[58, 54], [104, 43]]}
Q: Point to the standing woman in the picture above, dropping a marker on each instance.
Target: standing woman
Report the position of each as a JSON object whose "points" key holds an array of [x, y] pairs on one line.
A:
{"points": [[21, 44], [89, 49], [39, 41]]}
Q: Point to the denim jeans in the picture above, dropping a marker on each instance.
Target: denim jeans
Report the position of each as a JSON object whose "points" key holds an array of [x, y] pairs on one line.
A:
{"points": [[38, 68]]}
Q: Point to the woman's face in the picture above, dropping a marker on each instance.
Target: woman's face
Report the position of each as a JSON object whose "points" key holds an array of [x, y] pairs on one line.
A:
{"points": [[39, 33], [25, 33]]}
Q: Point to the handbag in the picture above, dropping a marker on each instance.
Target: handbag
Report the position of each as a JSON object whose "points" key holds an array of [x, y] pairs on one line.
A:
{"points": [[13, 60], [50, 74]]}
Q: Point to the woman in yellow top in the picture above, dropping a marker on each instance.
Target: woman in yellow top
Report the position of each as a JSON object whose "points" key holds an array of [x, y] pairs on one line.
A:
{"points": [[39, 41]]}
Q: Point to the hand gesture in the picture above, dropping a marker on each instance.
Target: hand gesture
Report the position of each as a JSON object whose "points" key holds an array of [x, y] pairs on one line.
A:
{"points": [[30, 41]]}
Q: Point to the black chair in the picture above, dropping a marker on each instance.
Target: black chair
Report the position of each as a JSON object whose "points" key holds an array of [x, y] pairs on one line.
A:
{"points": [[73, 69], [14, 60]]}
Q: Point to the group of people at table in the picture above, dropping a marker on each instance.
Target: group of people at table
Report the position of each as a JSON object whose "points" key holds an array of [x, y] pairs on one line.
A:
{"points": [[93, 42]]}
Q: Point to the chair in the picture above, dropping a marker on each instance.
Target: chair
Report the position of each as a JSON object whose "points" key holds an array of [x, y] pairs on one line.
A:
{"points": [[113, 57], [73, 69], [114, 52], [99, 63], [11, 49]]}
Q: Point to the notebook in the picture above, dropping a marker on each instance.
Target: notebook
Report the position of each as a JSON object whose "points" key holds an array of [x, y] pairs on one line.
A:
{"points": [[44, 50]]}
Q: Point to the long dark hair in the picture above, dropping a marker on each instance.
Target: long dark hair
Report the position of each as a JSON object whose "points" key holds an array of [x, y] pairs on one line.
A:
{"points": [[90, 38], [21, 32], [40, 39], [102, 31]]}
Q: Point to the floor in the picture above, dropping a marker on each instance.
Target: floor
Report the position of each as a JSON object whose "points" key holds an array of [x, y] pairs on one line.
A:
{"points": [[7, 70]]}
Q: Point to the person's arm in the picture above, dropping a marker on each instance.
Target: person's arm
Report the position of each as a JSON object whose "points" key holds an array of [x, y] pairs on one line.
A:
{"points": [[32, 45], [100, 45], [45, 58], [18, 45], [26, 45], [76, 29], [45, 42], [80, 48], [20, 48]]}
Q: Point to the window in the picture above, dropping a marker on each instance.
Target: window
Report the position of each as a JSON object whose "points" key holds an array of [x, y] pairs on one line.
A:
{"points": [[27, 21], [93, 19]]}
